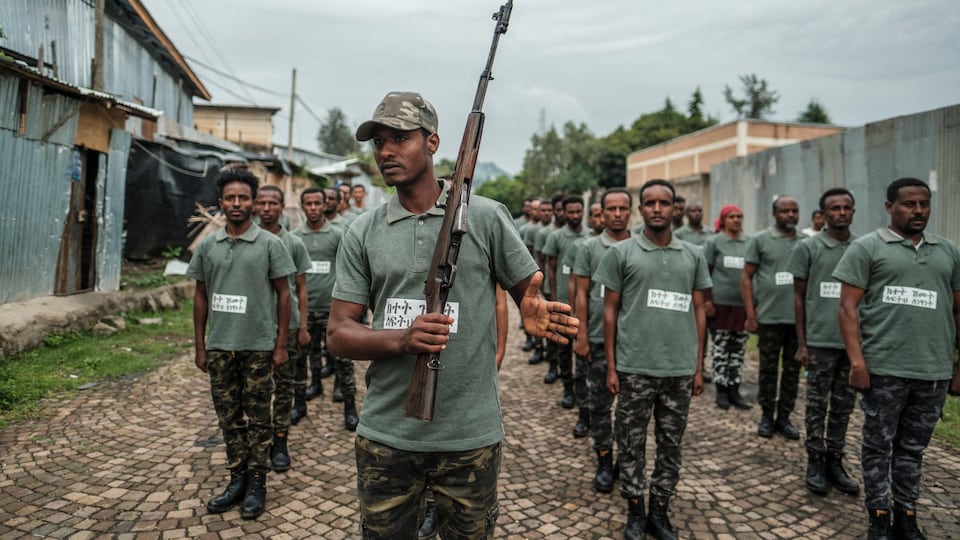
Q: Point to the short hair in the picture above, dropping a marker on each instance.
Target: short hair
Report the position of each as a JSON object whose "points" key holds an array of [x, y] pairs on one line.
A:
{"points": [[238, 172], [676, 198], [893, 190], [311, 191], [571, 199], [337, 193], [818, 211], [661, 182], [546, 202], [832, 192], [559, 197], [778, 198], [527, 199], [274, 189], [611, 191], [361, 186]]}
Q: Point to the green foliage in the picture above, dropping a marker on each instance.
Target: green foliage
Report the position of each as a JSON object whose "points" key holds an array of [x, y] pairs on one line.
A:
{"points": [[758, 98], [444, 167], [148, 281], [815, 113], [335, 135], [171, 252], [3, 36], [506, 190], [948, 429], [65, 362]]}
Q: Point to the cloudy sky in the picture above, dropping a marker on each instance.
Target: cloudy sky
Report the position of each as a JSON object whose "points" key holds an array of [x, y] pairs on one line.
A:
{"points": [[600, 62]]}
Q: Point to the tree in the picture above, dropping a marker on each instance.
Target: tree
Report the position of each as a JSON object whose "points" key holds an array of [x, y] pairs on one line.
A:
{"points": [[695, 109], [335, 136], [445, 166], [815, 113], [507, 190], [757, 101]]}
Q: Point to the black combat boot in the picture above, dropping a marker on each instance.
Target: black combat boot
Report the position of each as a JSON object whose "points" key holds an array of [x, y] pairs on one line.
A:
{"points": [[315, 389], [816, 474], [528, 345], [428, 531], [328, 369], [636, 520], [838, 476], [582, 427], [337, 391], [552, 375], [568, 400], [299, 410], [254, 502], [785, 427], [879, 525], [658, 522], [905, 524], [733, 395], [350, 418], [766, 427], [537, 356], [723, 397], [603, 481], [232, 495], [279, 456]]}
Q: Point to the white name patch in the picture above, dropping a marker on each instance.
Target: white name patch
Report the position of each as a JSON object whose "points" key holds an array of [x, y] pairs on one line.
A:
{"points": [[670, 300], [732, 262], [399, 313], [228, 303], [910, 296], [565, 270], [829, 289], [319, 267], [783, 278]]}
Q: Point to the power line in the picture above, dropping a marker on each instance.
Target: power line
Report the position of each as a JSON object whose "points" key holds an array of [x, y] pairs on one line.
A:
{"points": [[235, 79], [309, 110]]}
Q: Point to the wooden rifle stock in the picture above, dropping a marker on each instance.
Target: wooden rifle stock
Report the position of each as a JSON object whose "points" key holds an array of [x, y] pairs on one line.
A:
{"points": [[422, 392]]}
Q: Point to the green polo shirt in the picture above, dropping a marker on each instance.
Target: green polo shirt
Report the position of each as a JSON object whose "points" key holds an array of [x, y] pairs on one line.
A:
{"points": [[298, 253], [589, 254], [538, 243], [556, 247], [696, 238], [241, 302], [906, 315], [530, 234], [321, 247], [772, 284], [813, 260], [383, 262], [656, 326], [725, 256]]}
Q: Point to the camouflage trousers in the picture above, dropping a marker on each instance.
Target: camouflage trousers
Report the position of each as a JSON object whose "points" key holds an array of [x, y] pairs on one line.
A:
{"points": [[774, 339], [599, 399], [667, 399], [830, 399], [241, 383], [562, 357], [898, 420], [580, 368], [391, 485], [344, 372], [288, 379], [727, 356]]}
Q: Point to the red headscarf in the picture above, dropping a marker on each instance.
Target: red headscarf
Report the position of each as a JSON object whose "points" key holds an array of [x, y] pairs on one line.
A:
{"points": [[724, 212]]}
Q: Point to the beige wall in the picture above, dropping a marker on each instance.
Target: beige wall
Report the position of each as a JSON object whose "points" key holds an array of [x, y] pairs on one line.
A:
{"points": [[249, 126]]}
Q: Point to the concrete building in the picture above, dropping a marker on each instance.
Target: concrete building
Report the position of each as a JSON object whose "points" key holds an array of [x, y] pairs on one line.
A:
{"points": [[249, 126]]}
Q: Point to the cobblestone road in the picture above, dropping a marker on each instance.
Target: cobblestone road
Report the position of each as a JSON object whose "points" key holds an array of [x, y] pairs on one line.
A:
{"points": [[138, 459]]}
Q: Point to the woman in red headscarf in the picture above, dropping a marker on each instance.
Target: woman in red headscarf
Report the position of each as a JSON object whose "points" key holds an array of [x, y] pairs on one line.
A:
{"points": [[725, 313]]}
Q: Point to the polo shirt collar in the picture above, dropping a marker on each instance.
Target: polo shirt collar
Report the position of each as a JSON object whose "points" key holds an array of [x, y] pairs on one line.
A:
{"points": [[889, 237], [775, 232], [830, 241], [648, 245], [608, 240], [396, 211], [249, 235]]}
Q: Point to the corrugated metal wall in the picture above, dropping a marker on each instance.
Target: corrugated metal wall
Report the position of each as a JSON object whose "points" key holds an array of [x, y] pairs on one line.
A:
{"points": [[111, 190], [34, 189], [129, 68], [864, 160]]}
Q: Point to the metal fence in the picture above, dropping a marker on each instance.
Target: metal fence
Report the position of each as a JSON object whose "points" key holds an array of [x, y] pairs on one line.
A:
{"points": [[864, 160]]}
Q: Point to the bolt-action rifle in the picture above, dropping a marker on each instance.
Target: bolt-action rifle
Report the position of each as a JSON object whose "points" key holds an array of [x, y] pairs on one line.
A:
{"points": [[422, 393]]}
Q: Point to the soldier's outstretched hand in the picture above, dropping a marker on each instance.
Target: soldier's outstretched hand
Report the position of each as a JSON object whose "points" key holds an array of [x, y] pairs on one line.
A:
{"points": [[543, 318]]}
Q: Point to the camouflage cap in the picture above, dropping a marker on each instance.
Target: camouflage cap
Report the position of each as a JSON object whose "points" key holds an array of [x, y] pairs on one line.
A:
{"points": [[400, 110]]}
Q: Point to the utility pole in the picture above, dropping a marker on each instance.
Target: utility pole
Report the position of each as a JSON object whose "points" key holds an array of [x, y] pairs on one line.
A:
{"points": [[288, 184], [99, 8]]}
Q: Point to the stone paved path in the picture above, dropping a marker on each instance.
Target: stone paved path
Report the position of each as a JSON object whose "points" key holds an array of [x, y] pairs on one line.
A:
{"points": [[138, 459]]}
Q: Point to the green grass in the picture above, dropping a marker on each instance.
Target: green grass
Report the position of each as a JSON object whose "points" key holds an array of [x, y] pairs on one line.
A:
{"points": [[65, 362]]}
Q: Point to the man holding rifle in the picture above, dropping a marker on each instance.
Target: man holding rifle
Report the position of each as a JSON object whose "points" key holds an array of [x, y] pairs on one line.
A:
{"points": [[383, 260]]}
